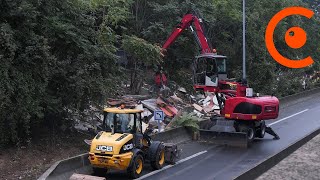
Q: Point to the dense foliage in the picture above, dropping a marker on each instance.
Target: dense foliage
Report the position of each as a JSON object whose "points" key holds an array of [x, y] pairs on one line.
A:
{"points": [[51, 62], [187, 120], [60, 55], [223, 25]]}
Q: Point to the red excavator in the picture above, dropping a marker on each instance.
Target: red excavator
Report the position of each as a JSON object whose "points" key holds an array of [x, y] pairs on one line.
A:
{"points": [[242, 114]]}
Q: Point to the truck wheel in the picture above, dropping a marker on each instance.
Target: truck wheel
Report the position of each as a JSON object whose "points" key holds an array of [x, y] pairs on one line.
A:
{"points": [[262, 130], [249, 130], [157, 155], [99, 171], [137, 166]]}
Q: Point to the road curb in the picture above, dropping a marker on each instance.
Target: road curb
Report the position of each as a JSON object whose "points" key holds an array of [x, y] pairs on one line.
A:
{"points": [[268, 163], [66, 165], [59, 169]]}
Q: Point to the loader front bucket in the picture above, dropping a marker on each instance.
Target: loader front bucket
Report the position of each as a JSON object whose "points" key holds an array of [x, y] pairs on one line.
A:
{"points": [[234, 139]]}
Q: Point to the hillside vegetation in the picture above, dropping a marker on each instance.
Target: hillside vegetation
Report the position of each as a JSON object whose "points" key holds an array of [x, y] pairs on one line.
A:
{"points": [[58, 56]]}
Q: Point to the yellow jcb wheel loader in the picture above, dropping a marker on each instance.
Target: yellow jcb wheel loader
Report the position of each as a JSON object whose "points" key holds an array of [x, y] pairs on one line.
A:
{"points": [[123, 146]]}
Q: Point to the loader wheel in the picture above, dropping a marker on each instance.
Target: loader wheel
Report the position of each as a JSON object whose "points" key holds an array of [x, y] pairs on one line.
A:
{"points": [[262, 130], [99, 171], [159, 160], [136, 168], [156, 155]]}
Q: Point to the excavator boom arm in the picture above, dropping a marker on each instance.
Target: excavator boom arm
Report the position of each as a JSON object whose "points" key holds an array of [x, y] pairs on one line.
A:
{"points": [[187, 21]]}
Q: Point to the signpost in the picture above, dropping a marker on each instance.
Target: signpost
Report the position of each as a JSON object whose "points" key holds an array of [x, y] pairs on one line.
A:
{"points": [[244, 77], [159, 117]]}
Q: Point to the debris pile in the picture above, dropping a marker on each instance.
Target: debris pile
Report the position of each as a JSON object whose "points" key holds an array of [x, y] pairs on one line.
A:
{"points": [[202, 105]]}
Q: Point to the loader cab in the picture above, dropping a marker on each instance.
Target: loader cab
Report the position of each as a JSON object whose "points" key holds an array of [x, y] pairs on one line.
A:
{"points": [[208, 70], [118, 120], [123, 146]]}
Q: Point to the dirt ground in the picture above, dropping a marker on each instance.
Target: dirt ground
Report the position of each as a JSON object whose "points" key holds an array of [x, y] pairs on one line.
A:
{"points": [[304, 163], [31, 161]]}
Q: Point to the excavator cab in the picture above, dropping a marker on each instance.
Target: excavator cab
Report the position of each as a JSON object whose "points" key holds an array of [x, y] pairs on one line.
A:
{"points": [[209, 68]]}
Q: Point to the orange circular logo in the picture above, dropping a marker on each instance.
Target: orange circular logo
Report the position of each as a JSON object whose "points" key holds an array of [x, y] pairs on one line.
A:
{"points": [[295, 37]]}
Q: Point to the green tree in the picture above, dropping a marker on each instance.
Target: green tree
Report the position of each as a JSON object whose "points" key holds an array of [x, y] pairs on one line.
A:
{"points": [[52, 62]]}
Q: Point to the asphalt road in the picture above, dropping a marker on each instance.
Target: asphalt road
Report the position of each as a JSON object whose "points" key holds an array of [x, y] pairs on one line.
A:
{"points": [[220, 162], [203, 161]]}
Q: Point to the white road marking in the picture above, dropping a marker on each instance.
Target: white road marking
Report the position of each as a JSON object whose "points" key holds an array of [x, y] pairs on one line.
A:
{"points": [[169, 166], [288, 117], [202, 152]]}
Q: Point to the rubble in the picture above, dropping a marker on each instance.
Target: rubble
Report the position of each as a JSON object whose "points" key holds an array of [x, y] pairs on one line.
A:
{"points": [[176, 98], [201, 105], [197, 107], [168, 109], [183, 90]]}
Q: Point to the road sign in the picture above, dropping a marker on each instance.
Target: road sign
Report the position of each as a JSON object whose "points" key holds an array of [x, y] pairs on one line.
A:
{"points": [[158, 115]]}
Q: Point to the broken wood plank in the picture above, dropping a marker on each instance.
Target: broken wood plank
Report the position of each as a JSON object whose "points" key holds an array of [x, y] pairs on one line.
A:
{"points": [[197, 107]]}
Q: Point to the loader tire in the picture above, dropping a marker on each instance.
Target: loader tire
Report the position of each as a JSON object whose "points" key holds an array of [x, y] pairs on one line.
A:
{"points": [[262, 130], [157, 155], [135, 170]]}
